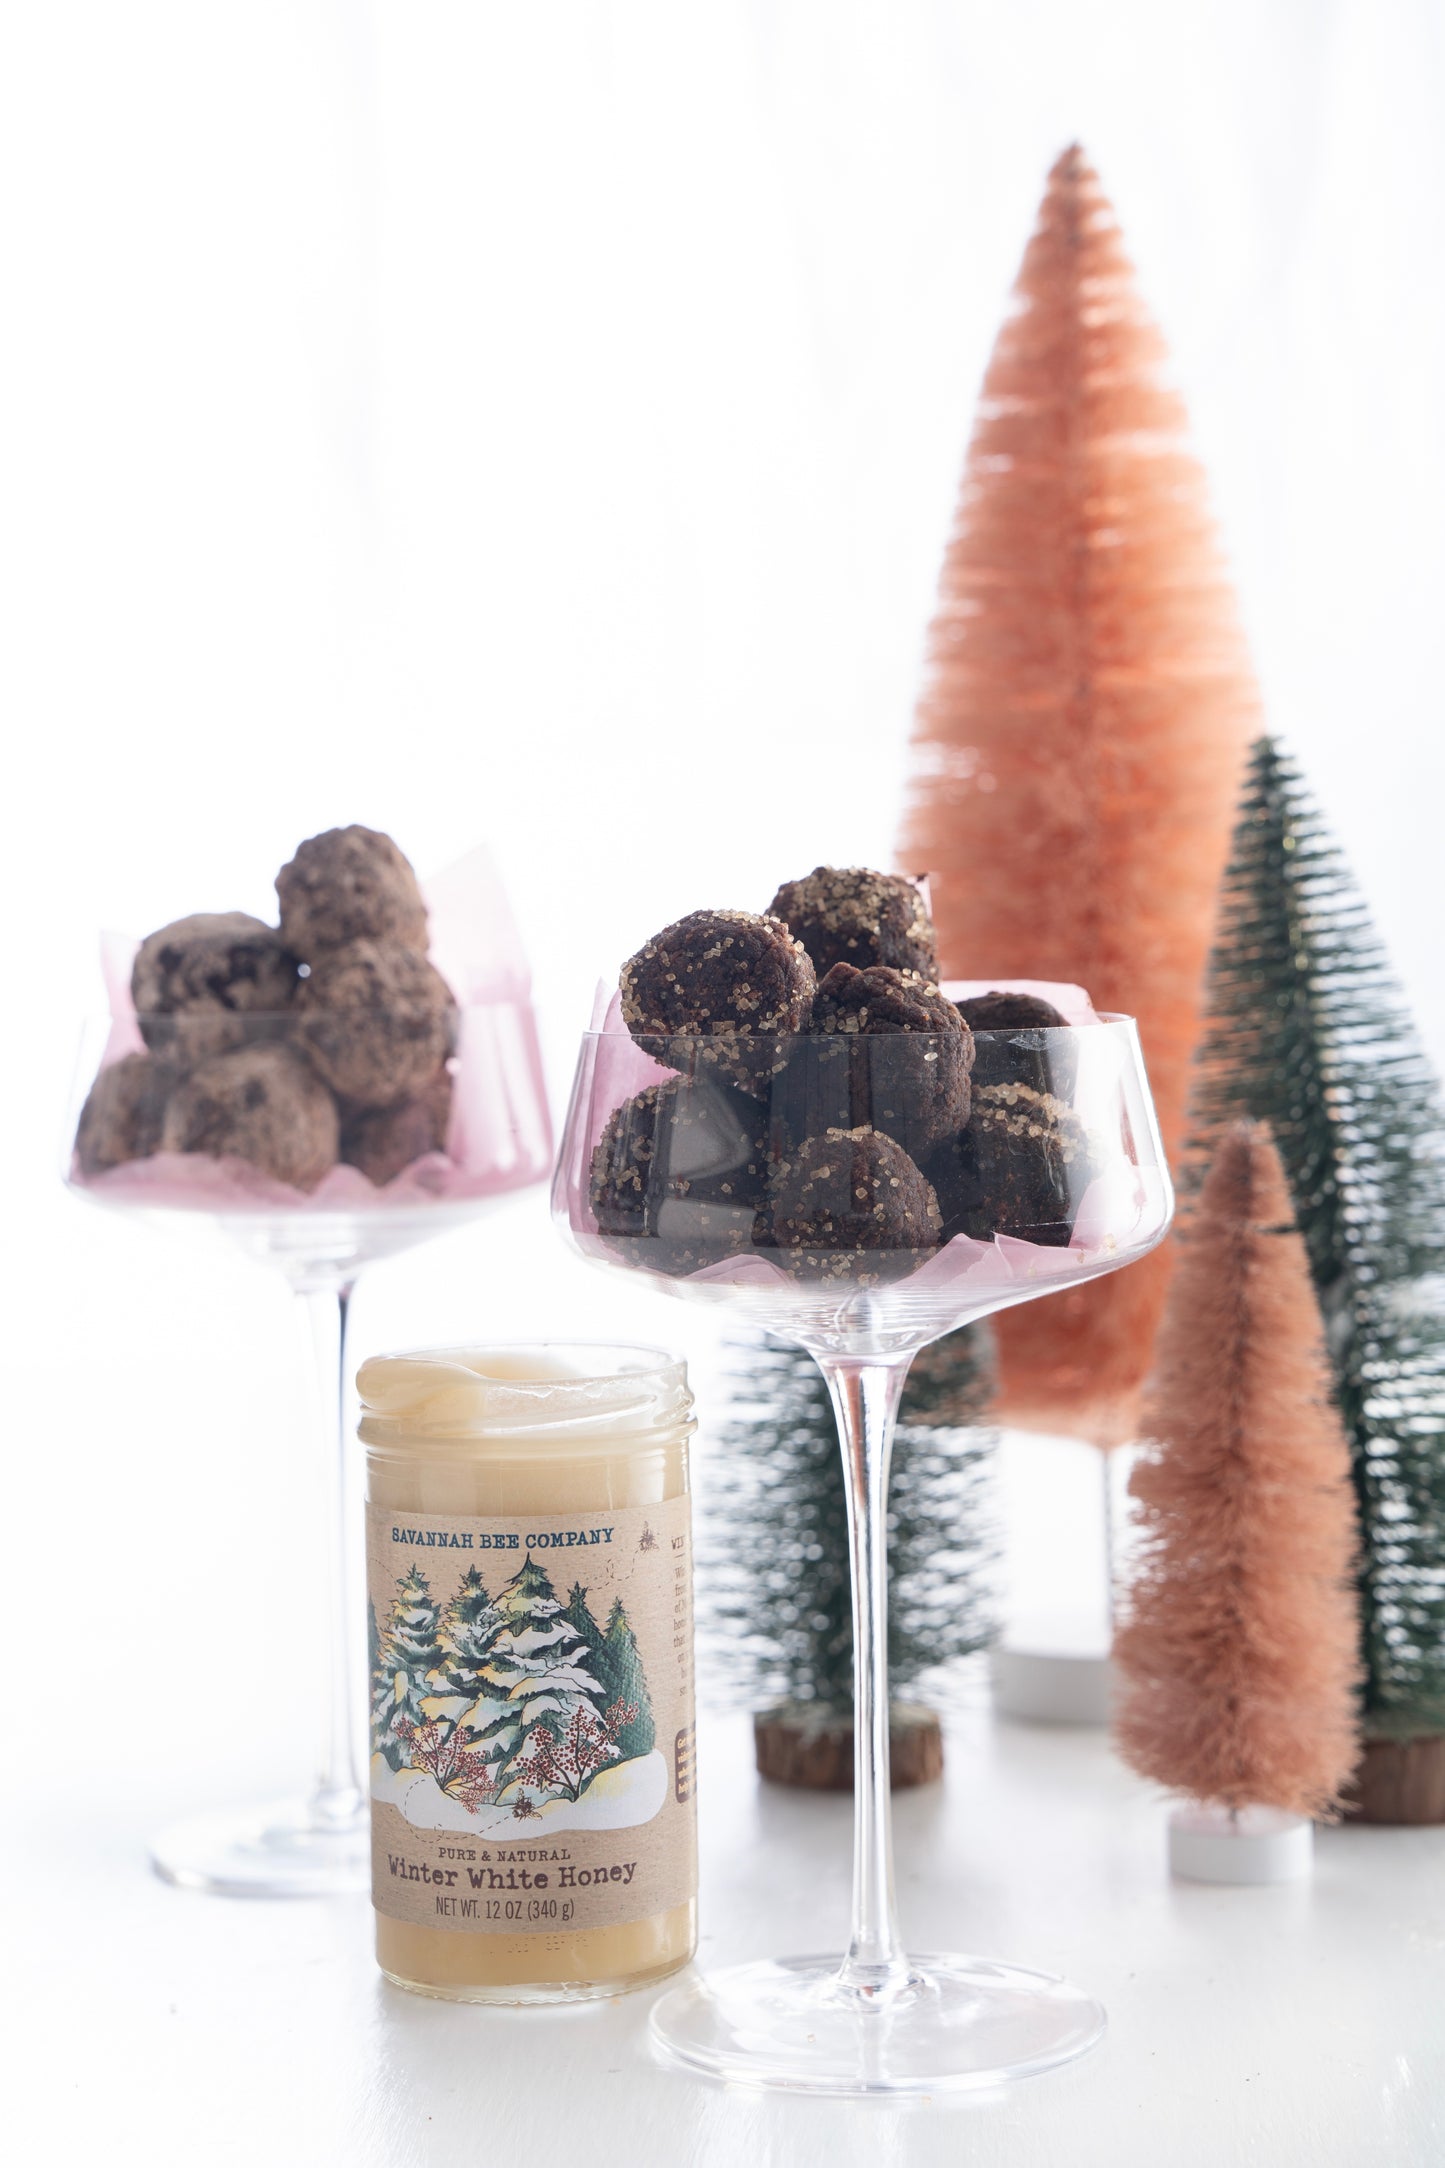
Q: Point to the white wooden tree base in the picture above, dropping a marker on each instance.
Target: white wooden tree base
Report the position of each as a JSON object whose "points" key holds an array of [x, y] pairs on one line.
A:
{"points": [[1050, 1686], [1258, 1844]]}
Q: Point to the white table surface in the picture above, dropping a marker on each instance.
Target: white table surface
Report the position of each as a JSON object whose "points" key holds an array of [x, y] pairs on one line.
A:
{"points": [[1298, 2027]]}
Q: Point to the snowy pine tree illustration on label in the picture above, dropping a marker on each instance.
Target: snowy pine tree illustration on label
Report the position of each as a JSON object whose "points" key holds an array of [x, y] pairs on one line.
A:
{"points": [[531, 1717]]}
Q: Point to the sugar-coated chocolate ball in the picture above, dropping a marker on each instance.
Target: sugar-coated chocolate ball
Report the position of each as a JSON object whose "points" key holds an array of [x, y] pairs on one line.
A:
{"points": [[1010, 1012], [382, 1142], [679, 1176], [1015, 1052], [210, 983], [375, 1021], [1021, 1168], [728, 976], [849, 915], [121, 1118], [907, 1051], [349, 884], [851, 1205], [261, 1104]]}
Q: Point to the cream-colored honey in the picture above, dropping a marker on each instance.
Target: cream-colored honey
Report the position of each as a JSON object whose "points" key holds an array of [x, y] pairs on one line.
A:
{"points": [[441, 1439]]}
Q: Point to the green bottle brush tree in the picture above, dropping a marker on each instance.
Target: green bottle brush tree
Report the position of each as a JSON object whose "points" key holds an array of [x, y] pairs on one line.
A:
{"points": [[1307, 1031], [774, 1581]]}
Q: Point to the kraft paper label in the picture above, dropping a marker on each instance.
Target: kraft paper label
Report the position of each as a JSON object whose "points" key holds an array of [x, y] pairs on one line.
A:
{"points": [[532, 1745]]}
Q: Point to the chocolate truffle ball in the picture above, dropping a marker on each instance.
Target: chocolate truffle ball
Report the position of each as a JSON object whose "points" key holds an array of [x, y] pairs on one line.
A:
{"points": [[1010, 1012], [350, 884], [952, 1168], [1020, 1168], [847, 915], [211, 983], [727, 976], [907, 1051], [1020, 1055], [262, 1104], [851, 1205], [825, 1078], [382, 1141], [121, 1118], [375, 1021], [679, 1176]]}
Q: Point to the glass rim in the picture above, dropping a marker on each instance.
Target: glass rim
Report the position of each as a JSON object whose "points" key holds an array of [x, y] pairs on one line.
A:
{"points": [[1108, 1020], [102, 1018]]}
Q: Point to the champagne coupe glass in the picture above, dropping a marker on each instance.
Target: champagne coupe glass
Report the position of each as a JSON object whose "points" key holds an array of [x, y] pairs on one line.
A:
{"points": [[497, 1139], [1065, 1150]]}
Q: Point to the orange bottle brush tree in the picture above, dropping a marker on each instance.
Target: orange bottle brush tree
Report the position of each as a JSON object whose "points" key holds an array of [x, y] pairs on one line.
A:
{"points": [[1079, 740], [1238, 1651]]}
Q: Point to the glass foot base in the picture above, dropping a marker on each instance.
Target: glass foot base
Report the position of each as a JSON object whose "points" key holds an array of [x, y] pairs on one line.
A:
{"points": [[787, 2025], [280, 1851]]}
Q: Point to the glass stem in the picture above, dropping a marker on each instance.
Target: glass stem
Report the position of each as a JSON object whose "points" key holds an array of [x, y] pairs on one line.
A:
{"points": [[865, 1398], [337, 1801]]}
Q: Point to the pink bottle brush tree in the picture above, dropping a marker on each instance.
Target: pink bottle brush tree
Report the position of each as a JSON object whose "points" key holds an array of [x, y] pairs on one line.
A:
{"points": [[1081, 732], [1239, 1648]]}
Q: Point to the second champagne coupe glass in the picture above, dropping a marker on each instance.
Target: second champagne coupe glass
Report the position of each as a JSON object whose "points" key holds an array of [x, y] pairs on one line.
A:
{"points": [[498, 1140], [876, 2021]]}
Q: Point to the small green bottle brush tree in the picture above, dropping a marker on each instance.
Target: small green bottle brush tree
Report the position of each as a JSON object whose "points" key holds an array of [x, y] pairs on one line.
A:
{"points": [[1307, 1031], [774, 1583]]}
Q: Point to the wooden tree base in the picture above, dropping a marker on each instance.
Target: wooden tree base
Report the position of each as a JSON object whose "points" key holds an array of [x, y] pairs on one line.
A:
{"points": [[1399, 1781], [800, 1746]]}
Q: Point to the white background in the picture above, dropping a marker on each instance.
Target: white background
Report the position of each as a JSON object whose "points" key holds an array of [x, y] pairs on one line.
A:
{"points": [[540, 425]]}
